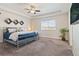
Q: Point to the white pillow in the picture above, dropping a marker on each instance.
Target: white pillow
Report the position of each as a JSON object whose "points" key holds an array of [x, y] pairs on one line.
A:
{"points": [[12, 30]]}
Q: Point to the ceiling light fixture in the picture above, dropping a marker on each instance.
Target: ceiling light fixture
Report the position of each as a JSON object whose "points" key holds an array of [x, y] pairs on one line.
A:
{"points": [[32, 9]]}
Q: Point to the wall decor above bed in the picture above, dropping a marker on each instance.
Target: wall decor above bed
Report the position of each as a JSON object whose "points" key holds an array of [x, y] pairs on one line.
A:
{"points": [[21, 22], [8, 20], [15, 22]]}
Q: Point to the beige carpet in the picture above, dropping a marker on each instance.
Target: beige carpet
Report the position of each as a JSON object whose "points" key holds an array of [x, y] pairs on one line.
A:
{"points": [[41, 47]]}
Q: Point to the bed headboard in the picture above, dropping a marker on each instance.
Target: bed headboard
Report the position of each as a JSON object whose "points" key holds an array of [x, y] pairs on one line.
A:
{"points": [[18, 29]]}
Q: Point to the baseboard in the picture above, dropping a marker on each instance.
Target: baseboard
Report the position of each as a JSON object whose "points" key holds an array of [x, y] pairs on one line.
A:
{"points": [[51, 38]]}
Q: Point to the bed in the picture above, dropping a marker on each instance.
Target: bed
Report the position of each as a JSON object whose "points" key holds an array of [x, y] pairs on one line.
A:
{"points": [[19, 37]]}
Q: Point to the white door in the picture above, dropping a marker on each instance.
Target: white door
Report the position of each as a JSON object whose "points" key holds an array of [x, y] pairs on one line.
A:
{"points": [[75, 40]]}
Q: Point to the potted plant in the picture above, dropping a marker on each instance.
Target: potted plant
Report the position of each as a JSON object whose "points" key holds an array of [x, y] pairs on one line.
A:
{"points": [[63, 32]]}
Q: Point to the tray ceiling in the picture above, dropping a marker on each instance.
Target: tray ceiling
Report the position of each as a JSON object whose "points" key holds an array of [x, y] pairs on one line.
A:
{"points": [[44, 8]]}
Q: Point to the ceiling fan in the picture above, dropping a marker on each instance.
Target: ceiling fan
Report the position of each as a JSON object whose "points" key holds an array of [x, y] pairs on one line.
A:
{"points": [[32, 9]]}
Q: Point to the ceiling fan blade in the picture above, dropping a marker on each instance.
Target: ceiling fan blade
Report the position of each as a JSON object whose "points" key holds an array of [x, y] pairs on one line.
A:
{"points": [[28, 12], [27, 9], [37, 10], [32, 6], [34, 12]]}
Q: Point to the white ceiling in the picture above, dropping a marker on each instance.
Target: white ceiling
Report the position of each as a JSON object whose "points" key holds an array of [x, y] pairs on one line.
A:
{"points": [[45, 8]]}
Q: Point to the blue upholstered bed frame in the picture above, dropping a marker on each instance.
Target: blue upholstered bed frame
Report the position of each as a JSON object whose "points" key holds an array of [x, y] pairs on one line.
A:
{"points": [[22, 39]]}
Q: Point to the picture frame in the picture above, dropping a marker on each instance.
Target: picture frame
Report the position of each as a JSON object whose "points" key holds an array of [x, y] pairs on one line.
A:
{"points": [[21, 22], [8, 20], [15, 22]]}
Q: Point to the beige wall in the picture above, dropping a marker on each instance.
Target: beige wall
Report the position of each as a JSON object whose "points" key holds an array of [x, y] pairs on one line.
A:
{"points": [[61, 19]]}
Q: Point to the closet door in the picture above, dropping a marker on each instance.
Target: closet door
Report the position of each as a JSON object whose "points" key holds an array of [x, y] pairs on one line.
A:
{"points": [[75, 40]]}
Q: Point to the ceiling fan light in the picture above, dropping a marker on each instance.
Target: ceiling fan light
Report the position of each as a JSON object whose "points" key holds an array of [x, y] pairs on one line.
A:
{"points": [[32, 11]]}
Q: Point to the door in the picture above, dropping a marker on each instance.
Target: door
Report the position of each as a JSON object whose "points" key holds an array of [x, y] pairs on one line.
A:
{"points": [[75, 39]]}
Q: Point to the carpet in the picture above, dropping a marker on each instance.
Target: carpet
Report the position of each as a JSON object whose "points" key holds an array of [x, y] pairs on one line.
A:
{"points": [[41, 47]]}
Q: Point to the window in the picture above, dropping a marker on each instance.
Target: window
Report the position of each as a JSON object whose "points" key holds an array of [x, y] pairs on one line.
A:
{"points": [[48, 25]]}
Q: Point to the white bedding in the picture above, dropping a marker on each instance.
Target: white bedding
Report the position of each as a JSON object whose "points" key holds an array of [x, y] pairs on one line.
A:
{"points": [[14, 36]]}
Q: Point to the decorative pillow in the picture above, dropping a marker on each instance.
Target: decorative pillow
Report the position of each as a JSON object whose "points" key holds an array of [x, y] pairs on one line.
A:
{"points": [[23, 29]]}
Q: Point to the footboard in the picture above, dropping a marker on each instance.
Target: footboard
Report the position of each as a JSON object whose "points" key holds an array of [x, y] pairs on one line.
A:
{"points": [[22, 41]]}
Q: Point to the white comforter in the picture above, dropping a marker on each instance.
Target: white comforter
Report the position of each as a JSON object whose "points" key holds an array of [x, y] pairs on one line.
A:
{"points": [[14, 36]]}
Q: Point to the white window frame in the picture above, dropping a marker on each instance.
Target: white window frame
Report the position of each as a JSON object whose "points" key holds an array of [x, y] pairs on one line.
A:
{"points": [[48, 27]]}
